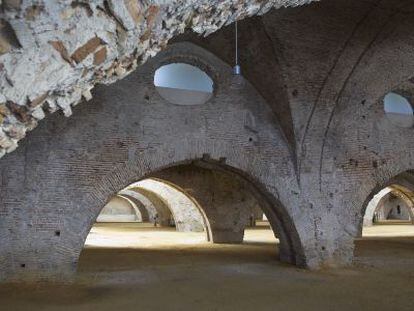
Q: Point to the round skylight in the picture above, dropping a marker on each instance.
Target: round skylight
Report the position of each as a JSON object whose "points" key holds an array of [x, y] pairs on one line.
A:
{"points": [[183, 84], [398, 110]]}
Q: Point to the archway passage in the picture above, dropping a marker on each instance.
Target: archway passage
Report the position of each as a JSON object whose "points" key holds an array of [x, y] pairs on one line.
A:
{"points": [[228, 202], [391, 205], [165, 208], [390, 212], [387, 229], [120, 209], [128, 145], [212, 210]]}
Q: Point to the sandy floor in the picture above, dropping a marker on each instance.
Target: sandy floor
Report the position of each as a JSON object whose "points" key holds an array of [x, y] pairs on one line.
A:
{"points": [[112, 236], [402, 230], [166, 270]]}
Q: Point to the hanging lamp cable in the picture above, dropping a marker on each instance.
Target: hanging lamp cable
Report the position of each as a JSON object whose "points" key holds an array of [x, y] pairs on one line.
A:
{"points": [[237, 69]]}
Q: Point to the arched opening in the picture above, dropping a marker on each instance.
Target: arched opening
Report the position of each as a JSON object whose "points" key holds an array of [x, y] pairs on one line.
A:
{"points": [[120, 209], [186, 215], [398, 110], [391, 205], [183, 84], [387, 227], [129, 145], [213, 210], [390, 211], [228, 201], [169, 209]]}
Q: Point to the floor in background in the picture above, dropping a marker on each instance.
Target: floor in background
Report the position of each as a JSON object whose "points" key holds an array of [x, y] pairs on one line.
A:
{"points": [[388, 230], [182, 272], [145, 235]]}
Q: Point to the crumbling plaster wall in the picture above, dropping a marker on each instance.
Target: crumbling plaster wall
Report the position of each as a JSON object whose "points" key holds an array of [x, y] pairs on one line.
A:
{"points": [[225, 199], [123, 135], [52, 53]]}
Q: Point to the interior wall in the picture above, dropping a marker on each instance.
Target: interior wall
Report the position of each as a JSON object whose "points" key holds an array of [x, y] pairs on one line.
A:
{"points": [[124, 134], [119, 209], [394, 208], [337, 58], [145, 207], [332, 62], [186, 215], [226, 200], [348, 56]]}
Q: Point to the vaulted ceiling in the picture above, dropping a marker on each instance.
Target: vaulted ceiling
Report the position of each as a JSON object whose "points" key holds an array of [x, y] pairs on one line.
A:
{"points": [[53, 53]]}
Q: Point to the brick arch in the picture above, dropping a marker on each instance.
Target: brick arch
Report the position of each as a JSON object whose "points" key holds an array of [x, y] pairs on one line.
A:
{"points": [[134, 208], [232, 160], [114, 141], [187, 216], [206, 222], [351, 146], [373, 205], [407, 197], [357, 114], [143, 209], [402, 184], [226, 198], [349, 95], [397, 190], [146, 33], [162, 211]]}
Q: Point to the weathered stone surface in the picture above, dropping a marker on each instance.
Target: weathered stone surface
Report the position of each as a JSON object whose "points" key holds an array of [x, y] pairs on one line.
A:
{"points": [[82, 52], [55, 45], [4, 110], [38, 113], [60, 47], [5, 141], [12, 4], [21, 112], [8, 39], [100, 56]]}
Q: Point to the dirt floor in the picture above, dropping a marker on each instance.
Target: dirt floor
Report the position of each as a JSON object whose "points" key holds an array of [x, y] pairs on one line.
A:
{"points": [[136, 267]]}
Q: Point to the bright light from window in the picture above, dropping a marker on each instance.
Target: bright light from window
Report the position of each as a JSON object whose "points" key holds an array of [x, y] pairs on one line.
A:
{"points": [[398, 110], [183, 84], [183, 76]]}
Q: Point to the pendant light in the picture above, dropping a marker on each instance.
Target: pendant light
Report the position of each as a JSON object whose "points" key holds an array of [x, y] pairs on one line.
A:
{"points": [[237, 68], [237, 82]]}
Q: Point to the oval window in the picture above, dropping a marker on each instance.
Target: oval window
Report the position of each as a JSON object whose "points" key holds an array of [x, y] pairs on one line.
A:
{"points": [[183, 84], [398, 110]]}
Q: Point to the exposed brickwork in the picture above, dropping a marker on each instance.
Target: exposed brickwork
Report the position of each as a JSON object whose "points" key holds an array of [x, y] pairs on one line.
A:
{"points": [[226, 201], [114, 140], [64, 48], [337, 60], [186, 214], [346, 146]]}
